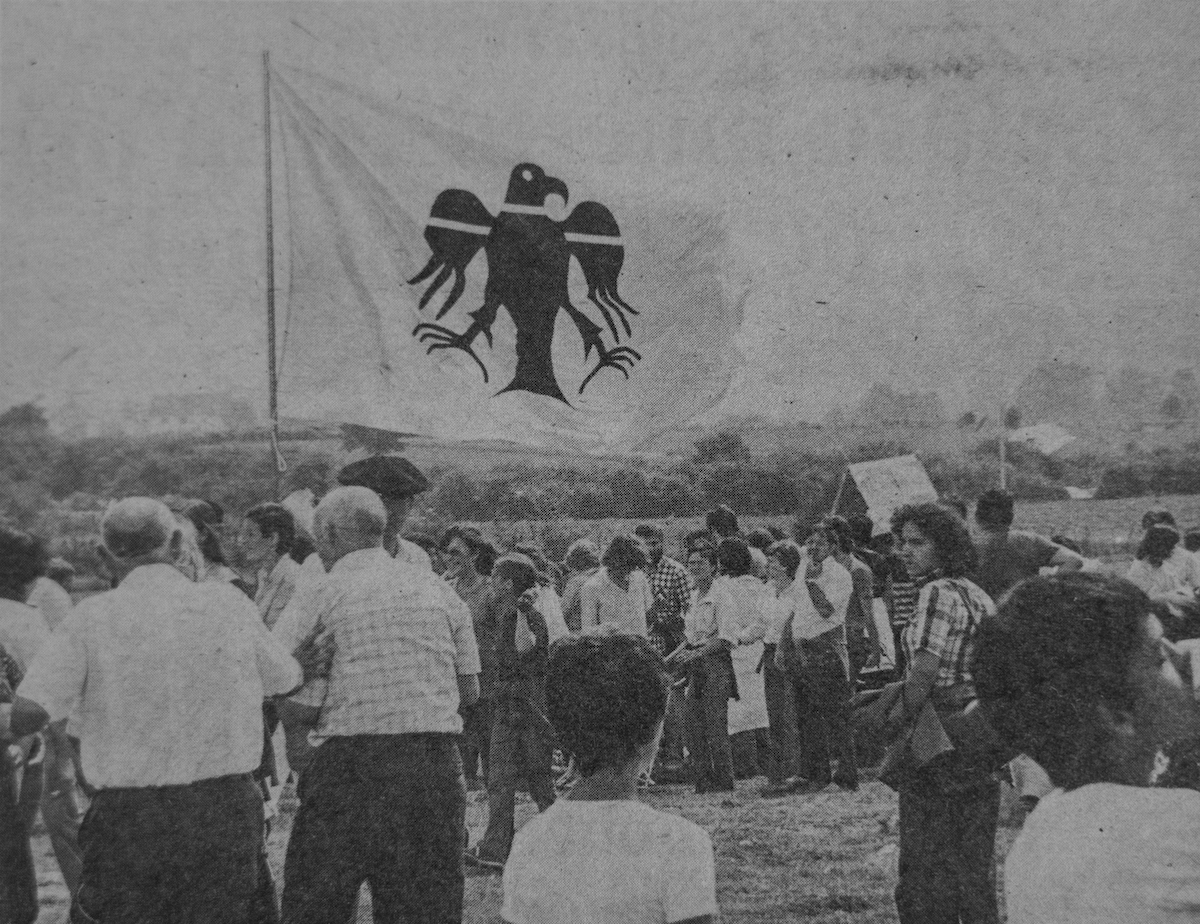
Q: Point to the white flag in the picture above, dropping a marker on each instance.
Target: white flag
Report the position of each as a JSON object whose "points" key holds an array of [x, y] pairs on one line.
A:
{"points": [[438, 284]]}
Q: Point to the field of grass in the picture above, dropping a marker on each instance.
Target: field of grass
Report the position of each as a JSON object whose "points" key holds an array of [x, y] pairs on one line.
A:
{"points": [[828, 856]]}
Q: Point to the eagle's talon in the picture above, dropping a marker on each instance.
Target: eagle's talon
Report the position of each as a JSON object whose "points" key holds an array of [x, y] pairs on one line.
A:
{"points": [[616, 358], [436, 337]]}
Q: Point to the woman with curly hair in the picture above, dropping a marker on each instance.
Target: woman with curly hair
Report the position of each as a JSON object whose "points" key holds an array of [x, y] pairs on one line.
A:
{"points": [[948, 804]]}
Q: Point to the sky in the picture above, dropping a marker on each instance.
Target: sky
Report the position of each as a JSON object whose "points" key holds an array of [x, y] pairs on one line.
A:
{"points": [[940, 196]]}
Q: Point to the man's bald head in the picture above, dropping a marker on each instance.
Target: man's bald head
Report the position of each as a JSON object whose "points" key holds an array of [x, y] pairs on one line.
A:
{"points": [[348, 519], [137, 527]]}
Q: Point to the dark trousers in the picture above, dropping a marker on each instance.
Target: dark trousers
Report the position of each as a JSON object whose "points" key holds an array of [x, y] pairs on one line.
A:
{"points": [[388, 810], [522, 751], [823, 714], [947, 842], [710, 682], [476, 741], [18, 881], [185, 854], [781, 717]]}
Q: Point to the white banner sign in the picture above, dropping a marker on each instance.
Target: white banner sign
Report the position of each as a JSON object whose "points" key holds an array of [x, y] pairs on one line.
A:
{"points": [[886, 484]]}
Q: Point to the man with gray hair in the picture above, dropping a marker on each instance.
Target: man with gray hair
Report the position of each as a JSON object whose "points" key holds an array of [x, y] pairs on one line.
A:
{"points": [[166, 678], [382, 801]]}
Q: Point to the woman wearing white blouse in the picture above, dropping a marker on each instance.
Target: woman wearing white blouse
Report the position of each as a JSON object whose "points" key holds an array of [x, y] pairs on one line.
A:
{"points": [[618, 595]]}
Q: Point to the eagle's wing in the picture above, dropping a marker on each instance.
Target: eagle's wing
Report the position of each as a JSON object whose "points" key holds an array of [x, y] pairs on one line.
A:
{"points": [[595, 240], [457, 228]]}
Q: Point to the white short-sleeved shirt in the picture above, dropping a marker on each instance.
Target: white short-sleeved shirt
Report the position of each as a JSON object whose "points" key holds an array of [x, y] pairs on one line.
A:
{"points": [[23, 631], [53, 602], [712, 615], [165, 678], [837, 585], [602, 601], [609, 863], [1107, 854]]}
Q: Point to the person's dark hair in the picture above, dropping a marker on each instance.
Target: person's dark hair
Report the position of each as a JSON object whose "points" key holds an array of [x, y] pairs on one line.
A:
{"points": [[759, 538], [482, 551], [274, 520], [837, 531], [956, 503], [582, 555], [649, 531], [534, 553], [302, 547], [1058, 647], [733, 557], [706, 549], [1067, 543], [23, 559], [946, 530], [1157, 544], [699, 537], [206, 515], [788, 554], [722, 521], [862, 528], [994, 510], [1191, 540], [1158, 515], [518, 569], [624, 551], [605, 697]]}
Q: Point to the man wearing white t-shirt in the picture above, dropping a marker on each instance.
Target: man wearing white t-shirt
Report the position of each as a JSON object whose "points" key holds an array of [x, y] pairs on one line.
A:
{"points": [[600, 856]]}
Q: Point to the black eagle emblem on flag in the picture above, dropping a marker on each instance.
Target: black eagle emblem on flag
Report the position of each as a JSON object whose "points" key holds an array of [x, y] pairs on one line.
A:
{"points": [[528, 256]]}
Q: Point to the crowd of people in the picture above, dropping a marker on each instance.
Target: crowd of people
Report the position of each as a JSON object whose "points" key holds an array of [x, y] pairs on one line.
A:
{"points": [[385, 676]]}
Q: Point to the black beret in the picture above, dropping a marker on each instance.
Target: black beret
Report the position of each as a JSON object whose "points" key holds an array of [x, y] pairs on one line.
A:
{"points": [[387, 476]]}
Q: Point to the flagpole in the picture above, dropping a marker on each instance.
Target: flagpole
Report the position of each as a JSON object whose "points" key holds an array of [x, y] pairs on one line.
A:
{"points": [[280, 465]]}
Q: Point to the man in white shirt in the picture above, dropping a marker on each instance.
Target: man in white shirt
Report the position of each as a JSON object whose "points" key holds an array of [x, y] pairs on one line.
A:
{"points": [[167, 678], [815, 654], [619, 593], [383, 800], [712, 628]]}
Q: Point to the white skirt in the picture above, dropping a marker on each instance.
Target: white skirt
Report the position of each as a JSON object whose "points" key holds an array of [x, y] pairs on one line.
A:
{"points": [[749, 710]]}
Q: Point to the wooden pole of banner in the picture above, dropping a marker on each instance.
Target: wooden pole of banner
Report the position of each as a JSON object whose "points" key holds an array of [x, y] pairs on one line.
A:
{"points": [[278, 463], [837, 498]]}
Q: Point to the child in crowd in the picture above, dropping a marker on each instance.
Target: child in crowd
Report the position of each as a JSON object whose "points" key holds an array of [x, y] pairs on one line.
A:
{"points": [[600, 856]]}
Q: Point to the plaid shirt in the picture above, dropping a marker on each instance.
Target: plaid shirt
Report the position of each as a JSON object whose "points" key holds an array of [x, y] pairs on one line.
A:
{"points": [[402, 636], [946, 624], [671, 582]]}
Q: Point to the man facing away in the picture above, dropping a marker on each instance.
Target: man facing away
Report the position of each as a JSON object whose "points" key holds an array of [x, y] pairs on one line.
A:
{"points": [[383, 800], [1006, 557], [166, 678]]}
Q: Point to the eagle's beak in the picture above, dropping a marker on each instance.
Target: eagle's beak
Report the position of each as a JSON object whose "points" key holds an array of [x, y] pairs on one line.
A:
{"points": [[554, 186]]}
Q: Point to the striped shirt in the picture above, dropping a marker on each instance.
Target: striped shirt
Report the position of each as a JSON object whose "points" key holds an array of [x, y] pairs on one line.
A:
{"points": [[946, 624]]}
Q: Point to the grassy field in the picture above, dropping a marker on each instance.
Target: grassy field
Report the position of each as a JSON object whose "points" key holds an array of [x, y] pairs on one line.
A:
{"points": [[828, 856]]}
